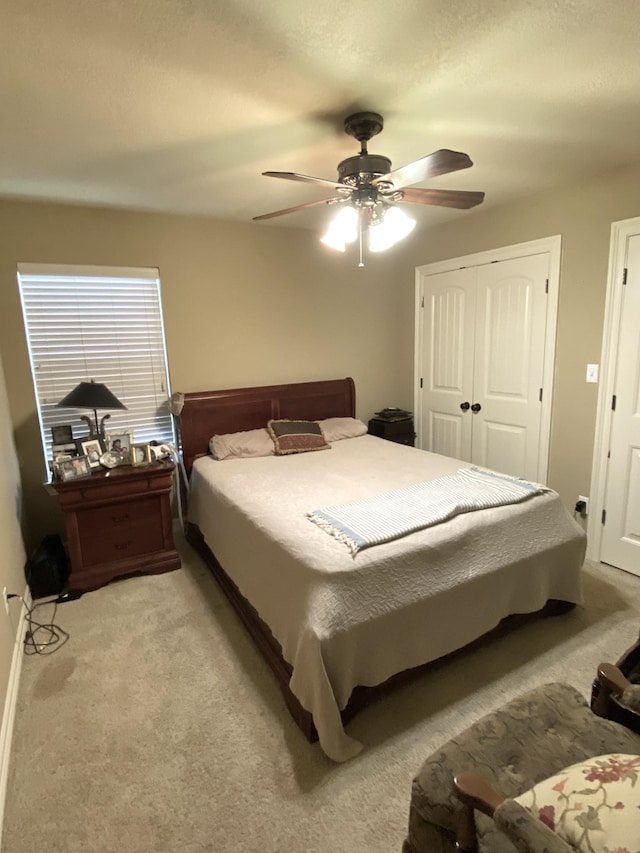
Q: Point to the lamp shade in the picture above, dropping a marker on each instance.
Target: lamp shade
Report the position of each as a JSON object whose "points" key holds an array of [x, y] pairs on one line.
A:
{"points": [[91, 395]]}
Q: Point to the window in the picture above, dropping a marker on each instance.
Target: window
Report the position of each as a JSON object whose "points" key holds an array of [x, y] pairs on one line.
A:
{"points": [[99, 323]]}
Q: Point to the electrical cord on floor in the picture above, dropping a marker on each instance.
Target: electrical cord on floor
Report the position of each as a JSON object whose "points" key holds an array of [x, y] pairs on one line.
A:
{"points": [[41, 638]]}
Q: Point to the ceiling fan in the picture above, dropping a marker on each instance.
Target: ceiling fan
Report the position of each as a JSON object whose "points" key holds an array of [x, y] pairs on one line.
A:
{"points": [[368, 190]]}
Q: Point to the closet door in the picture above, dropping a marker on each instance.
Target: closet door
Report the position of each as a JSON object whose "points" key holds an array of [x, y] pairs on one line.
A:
{"points": [[508, 364], [482, 366], [447, 363]]}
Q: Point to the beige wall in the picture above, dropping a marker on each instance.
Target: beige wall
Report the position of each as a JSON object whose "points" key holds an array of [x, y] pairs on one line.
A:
{"points": [[252, 304], [12, 554], [245, 304]]}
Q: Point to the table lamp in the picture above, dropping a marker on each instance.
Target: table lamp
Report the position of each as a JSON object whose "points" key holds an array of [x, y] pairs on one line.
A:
{"points": [[92, 395]]}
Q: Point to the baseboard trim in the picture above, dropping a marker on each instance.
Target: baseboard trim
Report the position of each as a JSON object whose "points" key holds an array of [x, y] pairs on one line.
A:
{"points": [[9, 714]]}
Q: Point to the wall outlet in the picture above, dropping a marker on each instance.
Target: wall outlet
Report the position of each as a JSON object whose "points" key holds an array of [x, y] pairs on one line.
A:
{"points": [[585, 500], [6, 600]]}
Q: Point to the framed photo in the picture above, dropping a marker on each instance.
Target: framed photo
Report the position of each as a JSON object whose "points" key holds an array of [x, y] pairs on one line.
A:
{"points": [[70, 449], [62, 434], [140, 454], [119, 442], [78, 466], [57, 461], [92, 449]]}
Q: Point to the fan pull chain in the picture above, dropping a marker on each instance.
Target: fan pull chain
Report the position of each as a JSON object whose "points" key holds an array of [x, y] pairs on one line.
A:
{"points": [[361, 264]]}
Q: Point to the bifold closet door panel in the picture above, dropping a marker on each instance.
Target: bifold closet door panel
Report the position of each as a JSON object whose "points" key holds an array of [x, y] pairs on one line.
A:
{"points": [[448, 362], [508, 364]]}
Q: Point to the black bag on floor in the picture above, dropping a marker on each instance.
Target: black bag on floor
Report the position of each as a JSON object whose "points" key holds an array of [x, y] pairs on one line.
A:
{"points": [[47, 571]]}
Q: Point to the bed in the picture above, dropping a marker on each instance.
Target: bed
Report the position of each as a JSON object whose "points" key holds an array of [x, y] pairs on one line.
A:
{"points": [[335, 626]]}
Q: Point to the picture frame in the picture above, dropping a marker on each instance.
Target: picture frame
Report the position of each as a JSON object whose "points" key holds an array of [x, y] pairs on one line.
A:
{"points": [[71, 469], [119, 442], [57, 461], [70, 449], [93, 450], [140, 454], [62, 434]]}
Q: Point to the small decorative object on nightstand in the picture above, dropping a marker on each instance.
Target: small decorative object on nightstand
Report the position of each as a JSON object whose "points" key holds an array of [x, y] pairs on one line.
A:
{"points": [[393, 425], [118, 523]]}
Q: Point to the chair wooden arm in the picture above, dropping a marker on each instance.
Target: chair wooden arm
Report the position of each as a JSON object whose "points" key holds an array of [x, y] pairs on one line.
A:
{"points": [[615, 697], [613, 679], [525, 831], [474, 793]]}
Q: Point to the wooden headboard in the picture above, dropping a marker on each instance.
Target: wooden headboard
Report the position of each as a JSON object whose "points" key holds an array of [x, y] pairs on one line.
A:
{"points": [[207, 413]]}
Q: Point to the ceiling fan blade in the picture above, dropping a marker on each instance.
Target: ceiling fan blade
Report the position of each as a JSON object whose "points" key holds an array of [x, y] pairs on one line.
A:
{"points": [[297, 207], [439, 163], [294, 176], [443, 198]]}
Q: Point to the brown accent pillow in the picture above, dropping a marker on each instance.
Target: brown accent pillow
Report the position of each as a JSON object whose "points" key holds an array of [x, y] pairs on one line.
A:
{"points": [[296, 436]]}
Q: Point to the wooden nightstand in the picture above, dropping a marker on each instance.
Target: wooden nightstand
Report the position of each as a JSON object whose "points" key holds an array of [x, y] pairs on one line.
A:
{"points": [[399, 431], [118, 523]]}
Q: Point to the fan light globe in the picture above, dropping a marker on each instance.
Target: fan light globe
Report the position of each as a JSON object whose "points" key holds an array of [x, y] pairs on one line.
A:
{"points": [[343, 229], [395, 226]]}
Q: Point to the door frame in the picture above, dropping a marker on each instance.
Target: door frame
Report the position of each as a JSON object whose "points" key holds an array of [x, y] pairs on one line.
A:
{"points": [[621, 231], [545, 245]]}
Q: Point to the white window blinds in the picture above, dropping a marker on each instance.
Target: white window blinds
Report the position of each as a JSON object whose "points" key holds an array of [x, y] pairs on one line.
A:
{"points": [[98, 323]]}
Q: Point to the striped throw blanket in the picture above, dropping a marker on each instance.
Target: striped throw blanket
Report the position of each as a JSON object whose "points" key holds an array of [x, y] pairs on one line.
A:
{"points": [[360, 524]]}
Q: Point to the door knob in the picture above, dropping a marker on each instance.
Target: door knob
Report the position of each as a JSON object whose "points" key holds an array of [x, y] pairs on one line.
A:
{"points": [[476, 407], [464, 406]]}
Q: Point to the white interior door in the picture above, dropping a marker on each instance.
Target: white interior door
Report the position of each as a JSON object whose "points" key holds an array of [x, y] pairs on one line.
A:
{"points": [[621, 533], [448, 356], [483, 339], [509, 364]]}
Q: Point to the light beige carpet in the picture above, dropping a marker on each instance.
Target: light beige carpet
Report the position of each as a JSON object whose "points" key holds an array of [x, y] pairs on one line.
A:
{"points": [[159, 728]]}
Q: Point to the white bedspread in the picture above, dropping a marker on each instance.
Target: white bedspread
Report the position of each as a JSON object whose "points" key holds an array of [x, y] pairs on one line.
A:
{"points": [[344, 621]]}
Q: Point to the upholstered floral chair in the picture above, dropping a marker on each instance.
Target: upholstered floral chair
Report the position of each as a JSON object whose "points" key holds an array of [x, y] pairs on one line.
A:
{"points": [[542, 774]]}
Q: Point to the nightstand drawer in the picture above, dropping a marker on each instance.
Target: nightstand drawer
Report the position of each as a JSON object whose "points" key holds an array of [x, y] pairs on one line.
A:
{"points": [[120, 531]]}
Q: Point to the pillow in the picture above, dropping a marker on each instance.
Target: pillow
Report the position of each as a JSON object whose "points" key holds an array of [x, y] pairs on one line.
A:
{"points": [[593, 805], [296, 436], [252, 442], [335, 429]]}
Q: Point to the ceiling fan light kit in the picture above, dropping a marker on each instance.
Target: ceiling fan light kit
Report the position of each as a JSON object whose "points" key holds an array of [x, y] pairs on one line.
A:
{"points": [[369, 191], [343, 229], [395, 226]]}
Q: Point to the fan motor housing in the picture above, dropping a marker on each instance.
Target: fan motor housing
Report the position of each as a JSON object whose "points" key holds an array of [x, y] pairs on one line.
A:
{"points": [[362, 169]]}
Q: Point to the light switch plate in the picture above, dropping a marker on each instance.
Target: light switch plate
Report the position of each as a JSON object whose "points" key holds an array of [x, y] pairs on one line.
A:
{"points": [[592, 372]]}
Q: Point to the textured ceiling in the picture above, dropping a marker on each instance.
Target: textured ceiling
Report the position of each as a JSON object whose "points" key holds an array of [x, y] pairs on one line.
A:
{"points": [[179, 105]]}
